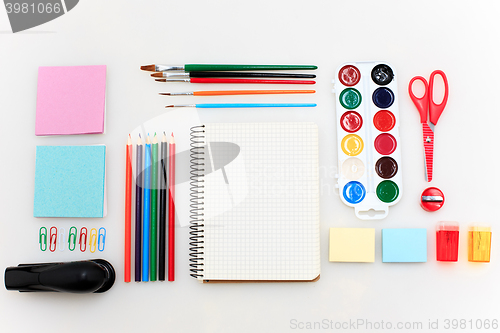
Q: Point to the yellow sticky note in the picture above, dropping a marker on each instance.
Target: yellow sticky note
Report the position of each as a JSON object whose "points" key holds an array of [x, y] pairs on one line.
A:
{"points": [[352, 244]]}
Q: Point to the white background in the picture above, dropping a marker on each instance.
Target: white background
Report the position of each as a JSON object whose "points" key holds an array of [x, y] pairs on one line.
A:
{"points": [[416, 37]]}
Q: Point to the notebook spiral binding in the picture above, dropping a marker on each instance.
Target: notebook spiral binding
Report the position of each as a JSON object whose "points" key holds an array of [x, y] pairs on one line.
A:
{"points": [[197, 157]]}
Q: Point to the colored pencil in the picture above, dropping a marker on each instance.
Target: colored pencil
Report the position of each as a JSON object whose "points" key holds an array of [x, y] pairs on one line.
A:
{"points": [[146, 220], [242, 105], [171, 210], [232, 74], [163, 210], [215, 80], [128, 208], [138, 210], [237, 92], [223, 67], [154, 211]]}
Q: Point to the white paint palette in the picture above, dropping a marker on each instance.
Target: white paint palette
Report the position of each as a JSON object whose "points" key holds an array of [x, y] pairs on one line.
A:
{"points": [[369, 151]]}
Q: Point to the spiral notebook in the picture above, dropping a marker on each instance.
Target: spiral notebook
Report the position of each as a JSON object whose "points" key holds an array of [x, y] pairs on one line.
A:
{"points": [[254, 202]]}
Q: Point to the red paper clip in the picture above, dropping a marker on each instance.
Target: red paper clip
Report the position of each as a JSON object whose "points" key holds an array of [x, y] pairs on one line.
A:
{"points": [[84, 241], [53, 239]]}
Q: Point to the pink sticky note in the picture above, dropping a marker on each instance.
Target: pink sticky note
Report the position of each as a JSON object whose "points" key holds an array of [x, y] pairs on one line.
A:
{"points": [[71, 100]]}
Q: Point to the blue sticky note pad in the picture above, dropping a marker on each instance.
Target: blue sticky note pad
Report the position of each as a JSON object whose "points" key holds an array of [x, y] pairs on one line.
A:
{"points": [[404, 245], [70, 181]]}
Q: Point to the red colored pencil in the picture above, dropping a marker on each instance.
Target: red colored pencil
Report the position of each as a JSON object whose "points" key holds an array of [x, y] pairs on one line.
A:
{"points": [[208, 80], [171, 210], [128, 208]]}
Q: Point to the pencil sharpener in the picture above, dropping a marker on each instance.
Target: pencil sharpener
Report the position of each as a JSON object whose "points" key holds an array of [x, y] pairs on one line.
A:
{"points": [[432, 199], [479, 243], [447, 241]]}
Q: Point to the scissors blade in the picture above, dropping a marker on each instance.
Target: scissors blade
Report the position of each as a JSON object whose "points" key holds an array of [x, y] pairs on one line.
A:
{"points": [[428, 139]]}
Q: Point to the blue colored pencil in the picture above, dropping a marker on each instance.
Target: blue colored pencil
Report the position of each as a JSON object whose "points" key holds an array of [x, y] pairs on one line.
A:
{"points": [[147, 211], [245, 105]]}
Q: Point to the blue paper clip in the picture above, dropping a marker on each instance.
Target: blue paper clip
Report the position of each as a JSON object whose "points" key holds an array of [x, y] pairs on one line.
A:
{"points": [[102, 239], [42, 239], [53, 239], [93, 240], [72, 240]]}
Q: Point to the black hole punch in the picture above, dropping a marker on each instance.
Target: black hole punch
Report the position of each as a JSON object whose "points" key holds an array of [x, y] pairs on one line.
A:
{"points": [[88, 276]]}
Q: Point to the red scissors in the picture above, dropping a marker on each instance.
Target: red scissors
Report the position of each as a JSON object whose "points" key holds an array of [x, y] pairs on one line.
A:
{"points": [[424, 104]]}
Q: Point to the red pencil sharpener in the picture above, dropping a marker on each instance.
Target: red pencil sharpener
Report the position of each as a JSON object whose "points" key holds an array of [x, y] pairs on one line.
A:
{"points": [[432, 199], [447, 241]]}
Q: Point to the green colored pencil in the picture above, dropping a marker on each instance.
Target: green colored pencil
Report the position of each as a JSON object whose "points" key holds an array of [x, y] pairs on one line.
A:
{"points": [[154, 211]]}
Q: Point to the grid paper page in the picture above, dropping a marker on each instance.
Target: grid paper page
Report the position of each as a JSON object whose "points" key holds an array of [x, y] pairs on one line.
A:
{"points": [[262, 208]]}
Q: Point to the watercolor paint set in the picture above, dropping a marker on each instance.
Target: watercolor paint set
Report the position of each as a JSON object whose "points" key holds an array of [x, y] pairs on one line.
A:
{"points": [[369, 151]]}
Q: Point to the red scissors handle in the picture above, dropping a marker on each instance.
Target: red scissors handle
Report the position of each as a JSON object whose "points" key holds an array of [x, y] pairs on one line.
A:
{"points": [[421, 103], [435, 110]]}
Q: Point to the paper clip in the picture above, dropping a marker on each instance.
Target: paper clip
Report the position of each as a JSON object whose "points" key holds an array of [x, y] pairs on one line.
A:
{"points": [[93, 240], [72, 240], [42, 238], [102, 239], [61, 239], [84, 241], [53, 239]]}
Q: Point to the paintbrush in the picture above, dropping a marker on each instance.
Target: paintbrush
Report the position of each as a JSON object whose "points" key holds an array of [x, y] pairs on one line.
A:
{"points": [[212, 80], [242, 105], [220, 67], [237, 92], [232, 74]]}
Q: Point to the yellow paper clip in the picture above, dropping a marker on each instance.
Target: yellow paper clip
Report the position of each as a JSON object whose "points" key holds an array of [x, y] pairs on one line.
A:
{"points": [[102, 239], [72, 238], [93, 240], [42, 238], [53, 239], [83, 234]]}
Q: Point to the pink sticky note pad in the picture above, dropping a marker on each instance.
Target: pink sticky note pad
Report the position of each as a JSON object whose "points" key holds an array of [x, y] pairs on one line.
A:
{"points": [[71, 100]]}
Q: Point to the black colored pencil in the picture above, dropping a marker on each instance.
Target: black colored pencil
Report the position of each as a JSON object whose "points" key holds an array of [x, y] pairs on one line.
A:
{"points": [[138, 211], [162, 229]]}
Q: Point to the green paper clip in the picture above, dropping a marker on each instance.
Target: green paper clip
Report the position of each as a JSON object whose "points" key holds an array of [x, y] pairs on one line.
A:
{"points": [[72, 242], [43, 235]]}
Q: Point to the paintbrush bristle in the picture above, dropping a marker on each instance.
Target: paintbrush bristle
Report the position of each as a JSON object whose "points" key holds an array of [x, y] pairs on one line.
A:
{"points": [[168, 94], [169, 106], [161, 80], [150, 68], [157, 75]]}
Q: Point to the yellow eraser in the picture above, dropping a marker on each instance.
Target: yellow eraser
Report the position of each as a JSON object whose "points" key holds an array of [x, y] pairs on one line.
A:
{"points": [[352, 244]]}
